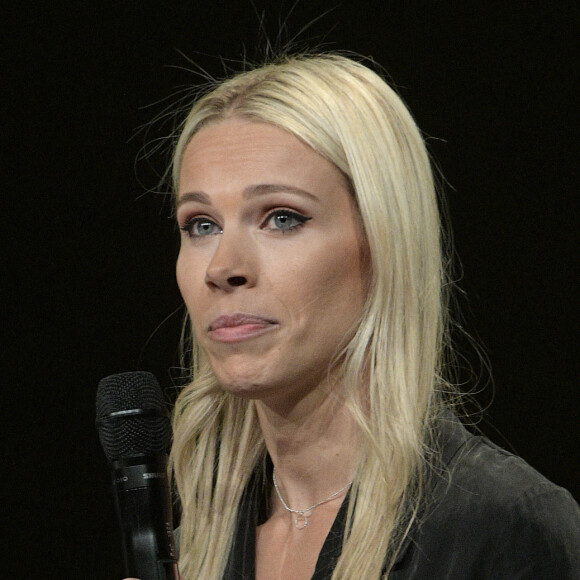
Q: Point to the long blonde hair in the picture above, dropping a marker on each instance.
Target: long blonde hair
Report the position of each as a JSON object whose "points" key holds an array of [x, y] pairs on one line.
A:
{"points": [[348, 114]]}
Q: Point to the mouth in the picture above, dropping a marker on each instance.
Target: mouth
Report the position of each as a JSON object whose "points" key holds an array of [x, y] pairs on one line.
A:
{"points": [[238, 327]]}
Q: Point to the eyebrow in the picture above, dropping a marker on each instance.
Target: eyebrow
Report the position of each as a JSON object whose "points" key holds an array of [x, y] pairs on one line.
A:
{"points": [[250, 191], [198, 196]]}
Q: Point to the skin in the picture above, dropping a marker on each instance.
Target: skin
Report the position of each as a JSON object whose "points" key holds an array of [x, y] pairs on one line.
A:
{"points": [[307, 280], [273, 271]]}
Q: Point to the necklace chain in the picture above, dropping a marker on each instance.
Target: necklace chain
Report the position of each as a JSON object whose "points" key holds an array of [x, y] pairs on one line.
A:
{"points": [[301, 519]]}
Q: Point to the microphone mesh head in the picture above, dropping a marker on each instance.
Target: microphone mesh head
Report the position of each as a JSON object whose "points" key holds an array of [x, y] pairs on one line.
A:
{"points": [[121, 436]]}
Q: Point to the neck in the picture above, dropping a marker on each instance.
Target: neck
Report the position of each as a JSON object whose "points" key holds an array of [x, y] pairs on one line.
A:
{"points": [[313, 445]]}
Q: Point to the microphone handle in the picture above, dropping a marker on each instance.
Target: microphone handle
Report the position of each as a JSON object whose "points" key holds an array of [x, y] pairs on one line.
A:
{"points": [[143, 503]]}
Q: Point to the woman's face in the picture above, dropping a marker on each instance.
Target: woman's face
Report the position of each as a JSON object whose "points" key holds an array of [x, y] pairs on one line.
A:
{"points": [[271, 266]]}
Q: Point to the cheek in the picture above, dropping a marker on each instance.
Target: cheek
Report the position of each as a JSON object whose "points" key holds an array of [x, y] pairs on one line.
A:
{"points": [[181, 276], [187, 287], [187, 280], [337, 290]]}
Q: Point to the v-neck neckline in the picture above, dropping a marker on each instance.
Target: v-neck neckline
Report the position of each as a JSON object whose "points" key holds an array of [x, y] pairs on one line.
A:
{"points": [[240, 567]]}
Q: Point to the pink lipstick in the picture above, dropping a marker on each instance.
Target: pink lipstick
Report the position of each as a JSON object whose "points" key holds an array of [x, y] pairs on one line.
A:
{"points": [[238, 327]]}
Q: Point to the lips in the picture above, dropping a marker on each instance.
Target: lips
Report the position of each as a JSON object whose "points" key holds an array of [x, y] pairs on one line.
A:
{"points": [[239, 326]]}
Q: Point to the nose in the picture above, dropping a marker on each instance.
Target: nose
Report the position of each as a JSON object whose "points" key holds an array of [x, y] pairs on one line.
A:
{"points": [[232, 264]]}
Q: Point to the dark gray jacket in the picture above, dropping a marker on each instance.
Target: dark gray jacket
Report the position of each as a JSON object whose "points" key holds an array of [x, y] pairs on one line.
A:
{"points": [[488, 515]]}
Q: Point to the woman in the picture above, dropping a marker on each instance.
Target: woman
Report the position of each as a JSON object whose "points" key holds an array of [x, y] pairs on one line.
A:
{"points": [[315, 440]]}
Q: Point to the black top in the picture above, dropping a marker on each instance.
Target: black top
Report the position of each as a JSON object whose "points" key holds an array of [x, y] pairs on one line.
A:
{"points": [[489, 515]]}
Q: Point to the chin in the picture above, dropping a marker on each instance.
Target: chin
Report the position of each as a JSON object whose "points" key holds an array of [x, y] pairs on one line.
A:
{"points": [[241, 384], [245, 390]]}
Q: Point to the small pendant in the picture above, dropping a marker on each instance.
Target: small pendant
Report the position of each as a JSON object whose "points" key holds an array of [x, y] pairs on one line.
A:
{"points": [[301, 521]]}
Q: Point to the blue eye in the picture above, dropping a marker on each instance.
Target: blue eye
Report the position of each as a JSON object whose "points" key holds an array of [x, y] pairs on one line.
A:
{"points": [[200, 227], [284, 220]]}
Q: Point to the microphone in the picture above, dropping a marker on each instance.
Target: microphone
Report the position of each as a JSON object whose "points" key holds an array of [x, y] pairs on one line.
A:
{"points": [[135, 433]]}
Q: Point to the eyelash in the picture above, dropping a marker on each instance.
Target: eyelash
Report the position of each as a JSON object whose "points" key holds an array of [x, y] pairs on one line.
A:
{"points": [[187, 228], [300, 219]]}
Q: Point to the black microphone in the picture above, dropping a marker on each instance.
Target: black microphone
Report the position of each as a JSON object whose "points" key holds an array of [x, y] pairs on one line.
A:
{"points": [[135, 433]]}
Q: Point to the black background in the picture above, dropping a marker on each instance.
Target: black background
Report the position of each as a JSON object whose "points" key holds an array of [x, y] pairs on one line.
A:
{"points": [[88, 253]]}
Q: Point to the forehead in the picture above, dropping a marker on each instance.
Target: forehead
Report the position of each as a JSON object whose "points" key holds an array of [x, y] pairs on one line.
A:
{"points": [[252, 150]]}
